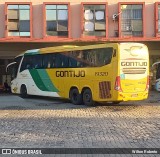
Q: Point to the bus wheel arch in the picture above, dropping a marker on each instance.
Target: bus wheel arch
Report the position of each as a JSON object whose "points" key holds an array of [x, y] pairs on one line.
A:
{"points": [[87, 96], [23, 91], [75, 96]]}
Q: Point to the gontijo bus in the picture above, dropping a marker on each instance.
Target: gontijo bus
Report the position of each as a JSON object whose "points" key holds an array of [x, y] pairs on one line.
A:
{"points": [[110, 72]]}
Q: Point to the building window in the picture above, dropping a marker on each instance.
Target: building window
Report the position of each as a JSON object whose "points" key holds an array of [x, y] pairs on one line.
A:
{"points": [[57, 20], [18, 20], [132, 20], [94, 20]]}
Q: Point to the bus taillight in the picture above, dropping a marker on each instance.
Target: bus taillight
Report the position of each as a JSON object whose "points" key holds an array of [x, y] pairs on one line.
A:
{"points": [[147, 84], [118, 84]]}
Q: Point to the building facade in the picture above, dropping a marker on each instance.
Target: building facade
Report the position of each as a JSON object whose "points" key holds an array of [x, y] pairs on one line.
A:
{"points": [[33, 24]]}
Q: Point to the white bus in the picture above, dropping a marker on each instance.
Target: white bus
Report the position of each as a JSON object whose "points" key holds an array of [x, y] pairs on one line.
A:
{"points": [[156, 67]]}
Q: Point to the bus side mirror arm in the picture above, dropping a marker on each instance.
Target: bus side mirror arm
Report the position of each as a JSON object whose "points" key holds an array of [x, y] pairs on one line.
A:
{"points": [[155, 64], [9, 66]]}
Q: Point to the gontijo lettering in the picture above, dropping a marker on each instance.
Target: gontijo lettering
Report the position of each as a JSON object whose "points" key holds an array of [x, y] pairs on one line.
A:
{"points": [[70, 73], [133, 63]]}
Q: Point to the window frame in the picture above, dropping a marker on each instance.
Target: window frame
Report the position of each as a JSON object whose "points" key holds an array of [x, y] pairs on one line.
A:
{"points": [[157, 34], [44, 20], [143, 19], [82, 19], [6, 19]]}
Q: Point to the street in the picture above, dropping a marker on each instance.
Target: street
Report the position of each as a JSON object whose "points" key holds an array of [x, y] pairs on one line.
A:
{"points": [[38, 122]]}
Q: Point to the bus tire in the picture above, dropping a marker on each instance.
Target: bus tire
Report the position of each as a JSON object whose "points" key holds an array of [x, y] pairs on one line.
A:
{"points": [[75, 97], [87, 98], [23, 92]]}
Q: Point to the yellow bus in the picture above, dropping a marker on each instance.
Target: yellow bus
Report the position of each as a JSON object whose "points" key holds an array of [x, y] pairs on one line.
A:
{"points": [[109, 72]]}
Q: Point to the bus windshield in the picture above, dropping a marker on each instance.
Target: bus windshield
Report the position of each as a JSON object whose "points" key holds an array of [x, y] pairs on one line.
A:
{"points": [[12, 68]]}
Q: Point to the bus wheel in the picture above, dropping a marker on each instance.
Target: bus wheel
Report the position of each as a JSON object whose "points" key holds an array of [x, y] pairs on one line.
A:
{"points": [[75, 97], [23, 91], [87, 98]]}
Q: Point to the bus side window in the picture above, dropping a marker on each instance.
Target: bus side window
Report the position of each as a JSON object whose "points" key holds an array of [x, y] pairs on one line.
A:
{"points": [[62, 61], [72, 59], [108, 55], [37, 62], [72, 62], [65, 60], [58, 63], [76, 59], [26, 63], [45, 62], [49, 61], [52, 60]]}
